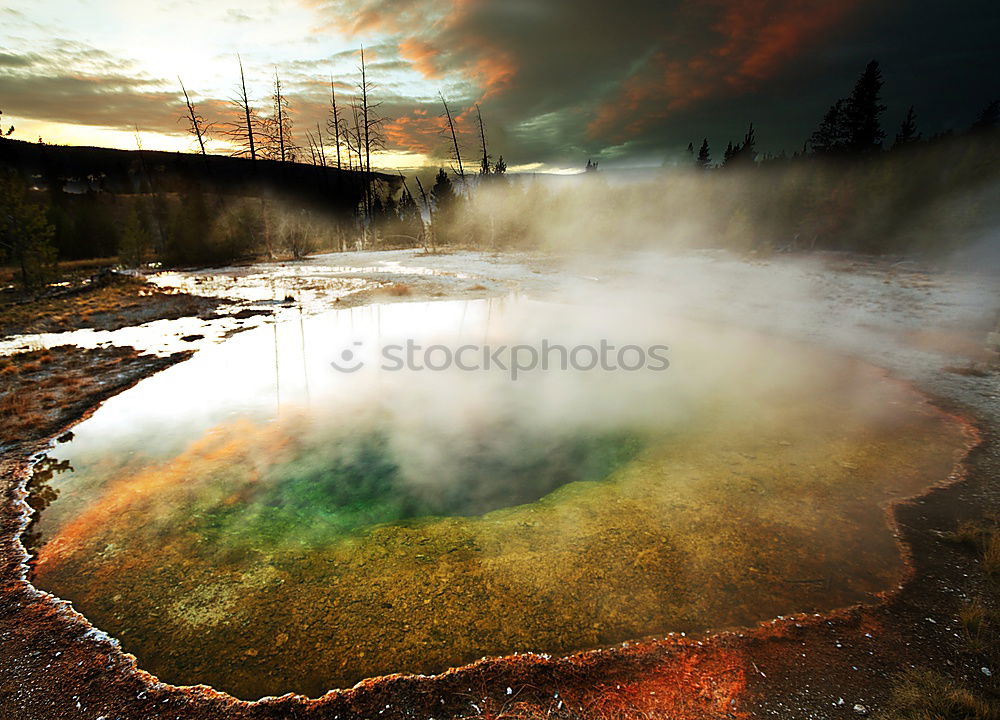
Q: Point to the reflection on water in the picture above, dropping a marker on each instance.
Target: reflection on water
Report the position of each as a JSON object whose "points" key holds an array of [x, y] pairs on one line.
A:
{"points": [[254, 520]]}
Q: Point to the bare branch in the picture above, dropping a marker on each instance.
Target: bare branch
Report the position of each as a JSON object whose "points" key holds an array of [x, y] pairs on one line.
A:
{"points": [[196, 123], [454, 136]]}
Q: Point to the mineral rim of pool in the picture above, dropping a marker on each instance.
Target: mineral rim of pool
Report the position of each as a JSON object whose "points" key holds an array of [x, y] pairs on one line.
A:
{"points": [[252, 520]]}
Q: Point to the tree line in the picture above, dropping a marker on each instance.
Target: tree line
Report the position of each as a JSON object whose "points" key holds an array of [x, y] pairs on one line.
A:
{"points": [[851, 128], [840, 203]]}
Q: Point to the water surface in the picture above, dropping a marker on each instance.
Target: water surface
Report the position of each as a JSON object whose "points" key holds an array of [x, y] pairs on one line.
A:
{"points": [[254, 520]]}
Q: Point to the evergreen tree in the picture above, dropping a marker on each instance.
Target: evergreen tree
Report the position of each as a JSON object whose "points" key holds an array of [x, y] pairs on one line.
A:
{"points": [[500, 168], [832, 135], [445, 201], [704, 161], [989, 118], [744, 153], [443, 192], [863, 111], [134, 242], [852, 125], [25, 234], [748, 150], [907, 130]]}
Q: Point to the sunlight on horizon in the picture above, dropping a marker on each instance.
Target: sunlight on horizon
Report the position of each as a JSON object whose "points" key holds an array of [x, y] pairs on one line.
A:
{"points": [[142, 48]]}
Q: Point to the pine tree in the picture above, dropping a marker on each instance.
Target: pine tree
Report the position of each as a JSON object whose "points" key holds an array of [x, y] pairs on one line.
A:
{"points": [[445, 203], [748, 150], [832, 135], [25, 234], [443, 192], [704, 161], [744, 153], [852, 125], [134, 241], [989, 118], [863, 111], [907, 130]]}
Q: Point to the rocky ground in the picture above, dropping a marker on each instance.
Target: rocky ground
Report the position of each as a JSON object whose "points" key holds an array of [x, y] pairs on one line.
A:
{"points": [[930, 647]]}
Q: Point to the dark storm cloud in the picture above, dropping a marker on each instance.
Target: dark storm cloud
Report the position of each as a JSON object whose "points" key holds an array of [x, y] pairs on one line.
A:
{"points": [[562, 79]]}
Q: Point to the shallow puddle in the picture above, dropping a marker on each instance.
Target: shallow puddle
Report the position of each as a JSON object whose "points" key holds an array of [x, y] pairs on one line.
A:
{"points": [[254, 520]]}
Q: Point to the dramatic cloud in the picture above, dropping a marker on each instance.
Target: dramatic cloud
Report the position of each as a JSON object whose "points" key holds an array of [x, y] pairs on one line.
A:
{"points": [[557, 81], [572, 78], [82, 85], [752, 41]]}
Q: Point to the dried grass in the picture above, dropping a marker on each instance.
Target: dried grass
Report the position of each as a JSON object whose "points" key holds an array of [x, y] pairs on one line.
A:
{"points": [[925, 695]]}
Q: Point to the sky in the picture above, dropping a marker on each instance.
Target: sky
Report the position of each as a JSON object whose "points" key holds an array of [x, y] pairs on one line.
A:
{"points": [[558, 82]]}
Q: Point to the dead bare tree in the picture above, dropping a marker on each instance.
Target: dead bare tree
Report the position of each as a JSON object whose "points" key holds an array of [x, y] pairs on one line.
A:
{"points": [[429, 229], [196, 123], [333, 122], [484, 163], [371, 136], [243, 132], [320, 145], [280, 139], [355, 141], [311, 141], [454, 137]]}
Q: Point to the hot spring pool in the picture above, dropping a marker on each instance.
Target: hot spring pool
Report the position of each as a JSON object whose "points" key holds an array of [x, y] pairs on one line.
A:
{"points": [[254, 520]]}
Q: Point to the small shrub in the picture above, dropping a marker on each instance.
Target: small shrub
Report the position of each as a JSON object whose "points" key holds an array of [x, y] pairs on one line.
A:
{"points": [[967, 533], [925, 695], [978, 626], [991, 553]]}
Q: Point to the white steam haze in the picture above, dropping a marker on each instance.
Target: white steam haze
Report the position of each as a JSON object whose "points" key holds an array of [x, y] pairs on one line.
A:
{"points": [[767, 452], [721, 317]]}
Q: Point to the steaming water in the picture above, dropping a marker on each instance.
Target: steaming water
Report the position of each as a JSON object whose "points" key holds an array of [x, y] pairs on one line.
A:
{"points": [[255, 520]]}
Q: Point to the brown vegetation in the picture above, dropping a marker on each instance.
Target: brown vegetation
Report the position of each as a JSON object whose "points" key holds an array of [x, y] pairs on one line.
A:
{"points": [[118, 302], [926, 695], [41, 390]]}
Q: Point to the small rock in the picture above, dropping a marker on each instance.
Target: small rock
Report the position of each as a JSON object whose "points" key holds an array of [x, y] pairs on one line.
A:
{"points": [[986, 672], [860, 709]]}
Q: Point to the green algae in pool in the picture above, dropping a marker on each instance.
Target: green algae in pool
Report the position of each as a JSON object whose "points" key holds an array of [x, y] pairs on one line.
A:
{"points": [[318, 487], [409, 524]]}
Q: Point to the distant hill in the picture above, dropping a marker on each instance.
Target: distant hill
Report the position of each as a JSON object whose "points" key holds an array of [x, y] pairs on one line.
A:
{"points": [[124, 172]]}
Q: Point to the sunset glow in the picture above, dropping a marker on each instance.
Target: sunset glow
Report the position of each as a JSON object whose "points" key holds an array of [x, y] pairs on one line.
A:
{"points": [[557, 82]]}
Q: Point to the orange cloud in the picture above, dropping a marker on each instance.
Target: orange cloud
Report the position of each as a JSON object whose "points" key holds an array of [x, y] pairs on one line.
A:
{"points": [[493, 72], [417, 132], [755, 39], [421, 55]]}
